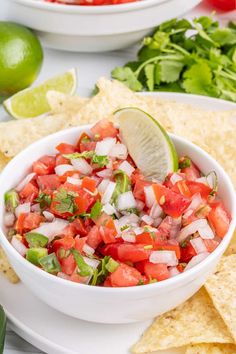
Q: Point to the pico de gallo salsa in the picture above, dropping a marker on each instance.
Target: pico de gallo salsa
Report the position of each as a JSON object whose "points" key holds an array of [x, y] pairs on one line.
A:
{"points": [[91, 2], [88, 215]]}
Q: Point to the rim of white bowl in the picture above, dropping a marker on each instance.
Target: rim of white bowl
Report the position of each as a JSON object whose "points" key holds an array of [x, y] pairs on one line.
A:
{"points": [[81, 9], [145, 288]]}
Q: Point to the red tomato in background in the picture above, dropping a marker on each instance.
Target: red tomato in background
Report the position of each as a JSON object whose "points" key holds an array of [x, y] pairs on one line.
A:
{"points": [[125, 275], [225, 5], [104, 129]]}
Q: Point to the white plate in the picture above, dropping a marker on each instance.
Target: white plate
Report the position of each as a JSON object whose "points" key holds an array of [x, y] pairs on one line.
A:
{"points": [[56, 333]]}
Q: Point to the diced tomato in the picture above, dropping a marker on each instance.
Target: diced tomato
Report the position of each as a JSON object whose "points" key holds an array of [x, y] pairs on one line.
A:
{"points": [[68, 264], [66, 243], [197, 187], [76, 278], [126, 252], [125, 275], [139, 189], [104, 129], [48, 183], [89, 184], [182, 188], [191, 172], [153, 271], [65, 148], [167, 183], [172, 203], [104, 220], [187, 252], [107, 282], [169, 227], [74, 174], [27, 222], [211, 245], [61, 160], [151, 238], [170, 247], [80, 227], [85, 143], [45, 165], [79, 243], [219, 218], [30, 192], [108, 234], [94, 237]]}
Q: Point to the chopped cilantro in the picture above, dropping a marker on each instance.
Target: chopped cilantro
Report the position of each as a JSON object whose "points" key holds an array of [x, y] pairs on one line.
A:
{"points": [[100, 160], [101, 272], [44, 200], [125, 227], [96, 210], [184, 162], [84, 269], [183, 244], [140, 282], [65, 201]]}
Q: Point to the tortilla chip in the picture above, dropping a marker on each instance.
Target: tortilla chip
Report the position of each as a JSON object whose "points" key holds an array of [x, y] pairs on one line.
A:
{"points": [[16, 135], [6, 268], [195, 321], [232, 246], [222, 289], [211, 349], [61, 103]]}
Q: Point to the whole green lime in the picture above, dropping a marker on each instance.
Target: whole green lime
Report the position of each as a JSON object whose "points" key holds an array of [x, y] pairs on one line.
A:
{"points": [[21, 58]]}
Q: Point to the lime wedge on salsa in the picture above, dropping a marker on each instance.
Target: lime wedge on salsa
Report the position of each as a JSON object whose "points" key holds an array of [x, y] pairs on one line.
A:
{"points": [[32, 102], [148, 143]]}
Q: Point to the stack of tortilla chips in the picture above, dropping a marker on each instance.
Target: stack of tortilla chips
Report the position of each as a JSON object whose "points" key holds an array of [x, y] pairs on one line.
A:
{"points": [[206, 323]]}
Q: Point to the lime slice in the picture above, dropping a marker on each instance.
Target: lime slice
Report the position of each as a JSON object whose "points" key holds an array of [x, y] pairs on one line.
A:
{"points": [[148, 143], [32, 102]]}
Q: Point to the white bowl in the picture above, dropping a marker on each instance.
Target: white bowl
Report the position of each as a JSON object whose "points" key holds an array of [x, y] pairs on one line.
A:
{"points": [[94, 28], [112, 305]]}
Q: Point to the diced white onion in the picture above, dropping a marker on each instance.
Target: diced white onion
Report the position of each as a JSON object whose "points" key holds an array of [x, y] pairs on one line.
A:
{"points": [[91, 262], [138, 230], [212, 179], [49, 216], [129, 220], [166, 257], [149, 196], [147, 219], [196, 201], [19, 246], [126, 200], [155, 211], [175, 178], [9, 219], [104, 147], [82, 166], [128, 237], [51, 229], [119, 151], [139, 205], [198, 245], [107, 173], [196, 259], [74, 181], [88, 250], [36, 208], [22, 208], [157, 222], [126, 167], [108, 192], [62, 169], [103, 185], [199, 225], [173, 271], [109, 209], [25, 181]]}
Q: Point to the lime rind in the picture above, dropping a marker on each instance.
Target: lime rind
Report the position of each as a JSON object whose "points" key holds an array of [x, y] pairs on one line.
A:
{"points": [[148, 143], [32, 102]]}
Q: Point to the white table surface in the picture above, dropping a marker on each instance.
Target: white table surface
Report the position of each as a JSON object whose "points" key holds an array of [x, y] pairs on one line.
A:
{"points": [[90, 67]]}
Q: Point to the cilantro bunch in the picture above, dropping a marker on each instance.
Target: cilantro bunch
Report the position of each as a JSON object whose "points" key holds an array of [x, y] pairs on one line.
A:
{"points": [[197, 57]]}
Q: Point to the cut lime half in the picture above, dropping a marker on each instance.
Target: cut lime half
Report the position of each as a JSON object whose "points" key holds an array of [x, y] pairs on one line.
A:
{"points": [[32, 102], [148, 143]]}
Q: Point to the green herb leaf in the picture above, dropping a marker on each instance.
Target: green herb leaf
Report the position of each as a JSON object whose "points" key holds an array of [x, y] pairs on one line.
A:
{"points": [[65, 201], [149, 72], [123, 184], [184, 162], [128, 77], [170, 70], [77, 155], [85, 270], [44, 200], [101, 272], [96, 210], [100, 160], [224, 36]]}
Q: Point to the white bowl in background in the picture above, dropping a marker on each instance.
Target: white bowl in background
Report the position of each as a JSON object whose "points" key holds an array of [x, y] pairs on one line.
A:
{"points": [[103, 304], [94, 28]]}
